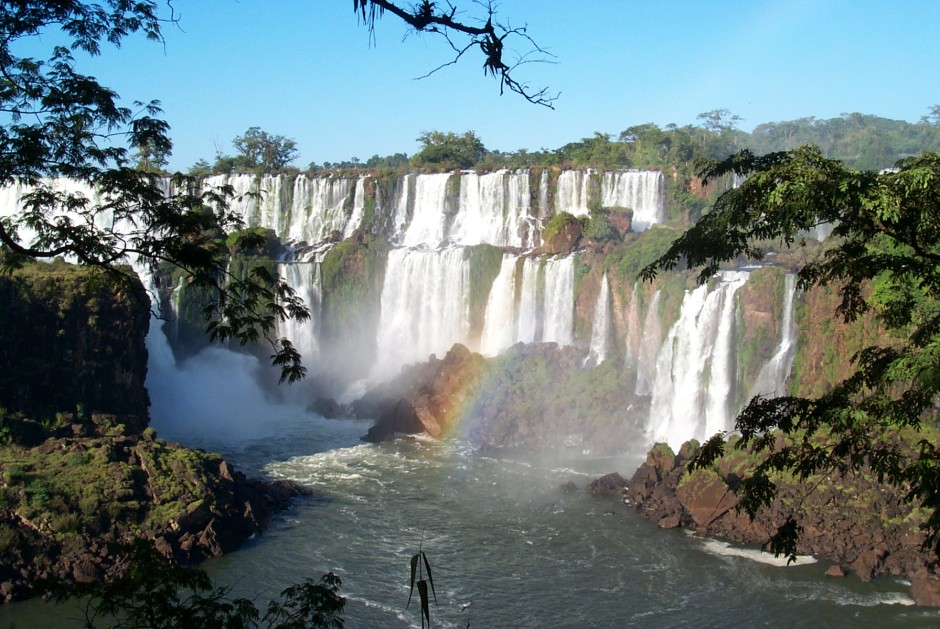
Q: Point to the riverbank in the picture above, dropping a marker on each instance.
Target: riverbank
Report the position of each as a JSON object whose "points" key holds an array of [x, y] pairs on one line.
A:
{"points": [[862, 527]]}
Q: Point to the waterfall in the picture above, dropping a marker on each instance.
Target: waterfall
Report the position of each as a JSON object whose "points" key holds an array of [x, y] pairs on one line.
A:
{"points": [[573, 191], [600, 328], [427, 218], [543, 193], [632, 345], [304, 278], [649, 348], [640, 190], [308, 210], [558, 313], [531, 300], [499, 322], [530, 306], [425, 307], [772, 380], [643, 191], [492, 209], [359, 202], [695, 367]]}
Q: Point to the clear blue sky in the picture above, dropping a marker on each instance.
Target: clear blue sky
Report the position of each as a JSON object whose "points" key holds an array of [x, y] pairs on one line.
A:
{"points": [[306, 69]]}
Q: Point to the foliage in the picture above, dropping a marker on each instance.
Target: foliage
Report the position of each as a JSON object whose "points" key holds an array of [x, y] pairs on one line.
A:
{"points": [[449, 150], [64, 124], [886, 231], [859, 140], [420, 565], [152, 593], [557, 224], [101, 482], [263, 151], [598, 227], [484, 265], [639, 250]]}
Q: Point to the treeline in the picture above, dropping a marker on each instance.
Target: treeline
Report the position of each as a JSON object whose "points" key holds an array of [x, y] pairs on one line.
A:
{"points": [[863, 142]]}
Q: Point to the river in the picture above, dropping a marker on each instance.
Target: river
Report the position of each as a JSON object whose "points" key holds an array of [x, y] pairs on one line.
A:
{"points": [[507, 547]]}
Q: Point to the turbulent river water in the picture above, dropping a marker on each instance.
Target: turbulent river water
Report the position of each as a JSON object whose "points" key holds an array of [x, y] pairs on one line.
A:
{"points": [[506, 546]]}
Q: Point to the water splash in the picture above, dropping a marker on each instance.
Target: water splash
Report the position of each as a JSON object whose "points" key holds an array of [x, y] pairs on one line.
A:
{"points": [[695, 367]]}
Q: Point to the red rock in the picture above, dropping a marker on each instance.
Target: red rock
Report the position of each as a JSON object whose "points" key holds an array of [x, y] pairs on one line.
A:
{"points": [[668, 522], [925, 589], [705, 496], [835, 571]]}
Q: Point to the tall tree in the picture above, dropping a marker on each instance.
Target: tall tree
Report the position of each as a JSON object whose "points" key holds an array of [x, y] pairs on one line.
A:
{"points": [[449, 150], [64, 124], [885, 261], [258, 149]]}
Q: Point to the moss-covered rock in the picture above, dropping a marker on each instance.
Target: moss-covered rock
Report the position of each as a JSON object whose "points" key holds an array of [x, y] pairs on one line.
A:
{"points": [[849, 518], [68, 504], [72, 340], [561, 234]]}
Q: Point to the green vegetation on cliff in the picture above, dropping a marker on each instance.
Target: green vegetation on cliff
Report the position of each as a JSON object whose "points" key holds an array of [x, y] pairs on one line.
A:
{"points": [[485, 262], [885, 234], [72, 336]]}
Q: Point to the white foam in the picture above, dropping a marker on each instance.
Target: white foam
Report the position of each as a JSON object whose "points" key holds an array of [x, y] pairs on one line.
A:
{"points": [[724, 549]]}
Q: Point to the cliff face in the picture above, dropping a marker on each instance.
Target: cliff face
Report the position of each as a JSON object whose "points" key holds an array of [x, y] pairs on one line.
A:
{"points": [[72, 341], [535, 397], [80, 474]]}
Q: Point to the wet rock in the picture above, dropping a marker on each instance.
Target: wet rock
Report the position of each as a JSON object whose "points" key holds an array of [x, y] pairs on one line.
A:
{"points": [[669, 521], [568, 488], [835, 571], [925, 589], [705, 496], [607, 484], [867, 564], [327, 407]]}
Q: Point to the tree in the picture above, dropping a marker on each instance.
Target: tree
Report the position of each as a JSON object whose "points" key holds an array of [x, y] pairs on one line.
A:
{"points": [[490, 39], [449, 150], [60, 123], [154, 594], [152, 159], [63, 124], [885, 262], [261, 150]]}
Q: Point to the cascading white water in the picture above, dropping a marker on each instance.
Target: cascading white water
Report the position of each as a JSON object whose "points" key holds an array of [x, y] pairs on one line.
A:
{"points": [[640, 190], [425, 307], [304, 278], [572, 193], [402, 206], [600, 328], [649, 348], [492, 209], [426, 227], [643, 191], [543, 193], [499, 323], [558, 313], [694, 369], [530, 303], [306, 210], [772, 380], [319, 208], [359, 203], [632, 344]]}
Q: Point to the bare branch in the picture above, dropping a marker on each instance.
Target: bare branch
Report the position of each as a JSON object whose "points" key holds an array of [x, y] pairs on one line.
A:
{"points": [[490, 38]]}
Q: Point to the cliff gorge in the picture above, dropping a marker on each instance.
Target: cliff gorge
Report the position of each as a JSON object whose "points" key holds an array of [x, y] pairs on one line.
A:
{"points": [[80, 472]]}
